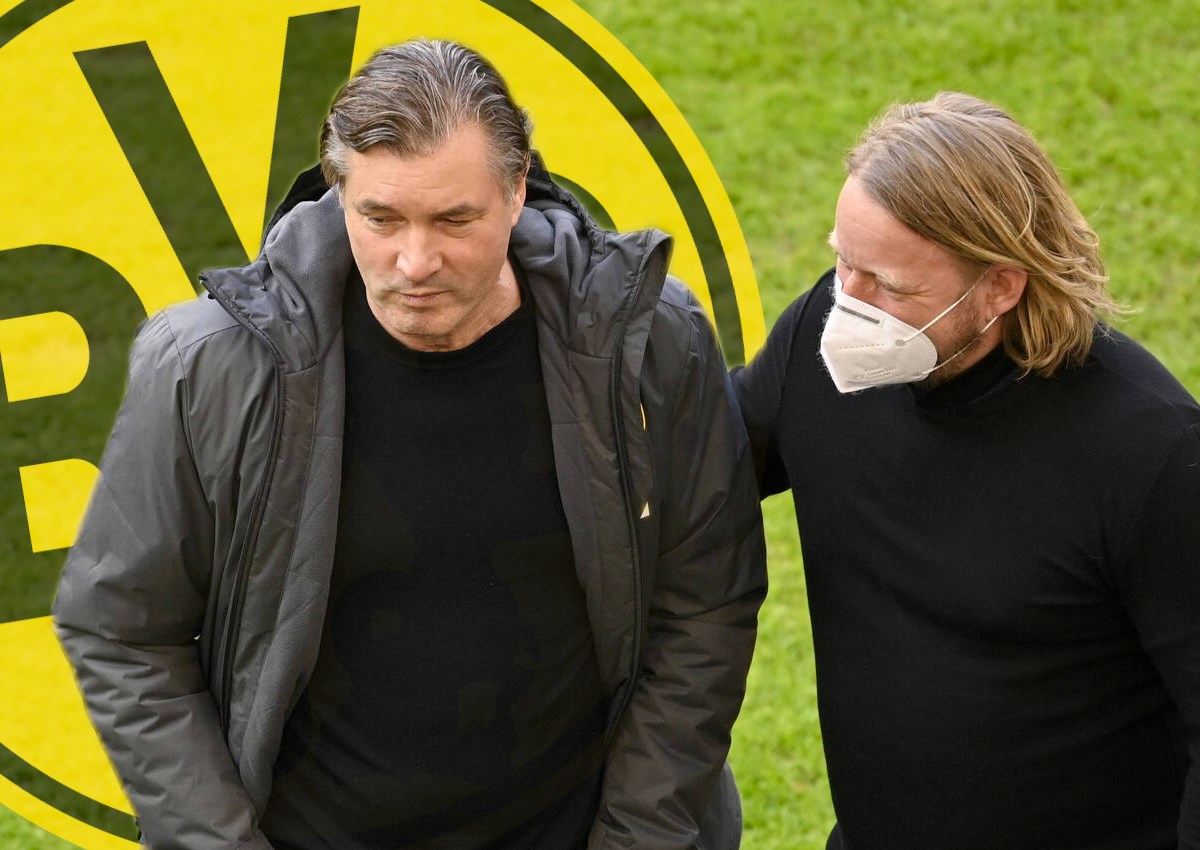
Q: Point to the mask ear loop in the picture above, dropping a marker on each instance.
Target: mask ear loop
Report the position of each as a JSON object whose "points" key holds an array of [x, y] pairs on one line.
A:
{"points": [[974, 339], [903, 341]]}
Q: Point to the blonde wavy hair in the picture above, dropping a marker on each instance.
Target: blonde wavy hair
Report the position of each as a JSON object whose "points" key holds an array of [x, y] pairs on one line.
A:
{"points": [[961, 172]]}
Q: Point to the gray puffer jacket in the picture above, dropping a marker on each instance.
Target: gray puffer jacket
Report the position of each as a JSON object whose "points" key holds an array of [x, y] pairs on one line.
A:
{"points": [[192, 604]]}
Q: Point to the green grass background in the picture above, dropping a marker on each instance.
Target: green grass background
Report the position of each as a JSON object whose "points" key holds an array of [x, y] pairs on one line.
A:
{"points": [[778, 89]]}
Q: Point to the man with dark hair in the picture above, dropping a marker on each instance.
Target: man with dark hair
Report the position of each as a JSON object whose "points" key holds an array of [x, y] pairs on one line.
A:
{"points": [[435, 526], [997, 498]]}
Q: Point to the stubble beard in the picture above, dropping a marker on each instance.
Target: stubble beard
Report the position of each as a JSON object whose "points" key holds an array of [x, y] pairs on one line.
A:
{"points": [[967, 337]]}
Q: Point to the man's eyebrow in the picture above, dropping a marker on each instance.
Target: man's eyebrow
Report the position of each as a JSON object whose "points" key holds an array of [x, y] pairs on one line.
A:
{"points": [[832, 241], [887, 279], [463, 210], [369, 206]]}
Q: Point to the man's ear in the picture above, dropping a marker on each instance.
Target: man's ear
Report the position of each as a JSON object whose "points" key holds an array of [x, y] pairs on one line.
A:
{"points": [[518, 200], [1005, 289]]}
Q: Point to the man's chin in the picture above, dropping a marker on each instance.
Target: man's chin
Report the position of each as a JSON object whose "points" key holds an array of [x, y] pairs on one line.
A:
{"points": [[967, 356], [937, 379]]}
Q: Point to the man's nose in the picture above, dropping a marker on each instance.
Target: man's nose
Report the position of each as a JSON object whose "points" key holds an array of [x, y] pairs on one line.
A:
{"points": [[418, 256], [856, 285]]}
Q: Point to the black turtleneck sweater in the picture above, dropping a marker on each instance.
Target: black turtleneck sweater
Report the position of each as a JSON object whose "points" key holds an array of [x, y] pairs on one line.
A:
{"points": [[1004, 580], [456, 700]]}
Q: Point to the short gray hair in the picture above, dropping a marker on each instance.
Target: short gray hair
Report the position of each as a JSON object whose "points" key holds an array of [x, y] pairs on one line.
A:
{"points": [[411, 98]]}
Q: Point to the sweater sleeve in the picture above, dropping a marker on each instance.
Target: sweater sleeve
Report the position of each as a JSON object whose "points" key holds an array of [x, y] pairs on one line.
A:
{"points": [[1160, 585], [129, 605], [759, 386]]}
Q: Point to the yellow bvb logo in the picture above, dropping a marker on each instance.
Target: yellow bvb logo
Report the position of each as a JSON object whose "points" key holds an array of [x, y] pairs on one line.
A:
{"points": [[145, 140]]}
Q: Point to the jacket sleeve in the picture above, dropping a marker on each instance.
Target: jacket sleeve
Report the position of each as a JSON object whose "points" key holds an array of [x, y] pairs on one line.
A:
{"points": [[1160, 587], [663, 785], [130, 604]]}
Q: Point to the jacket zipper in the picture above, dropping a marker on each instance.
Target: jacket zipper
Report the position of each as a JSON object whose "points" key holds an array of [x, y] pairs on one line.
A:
{"points": [[241, 575], [631, 522]]}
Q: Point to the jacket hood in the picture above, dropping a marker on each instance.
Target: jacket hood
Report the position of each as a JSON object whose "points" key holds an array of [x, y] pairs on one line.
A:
{"points": [[563, 253]]}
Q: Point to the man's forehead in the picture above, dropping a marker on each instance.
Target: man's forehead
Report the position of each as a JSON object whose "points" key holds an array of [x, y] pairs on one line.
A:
{"points": [[456, 175], [870, 238], [876, 260], [469, 140]]}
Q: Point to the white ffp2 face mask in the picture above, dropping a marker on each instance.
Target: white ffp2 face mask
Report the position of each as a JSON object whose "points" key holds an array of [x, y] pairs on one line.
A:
{"points": [[863, 346]]}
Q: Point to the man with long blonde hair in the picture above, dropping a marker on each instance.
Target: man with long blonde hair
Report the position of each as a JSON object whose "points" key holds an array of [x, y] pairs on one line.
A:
{"points": [[997, 501]]}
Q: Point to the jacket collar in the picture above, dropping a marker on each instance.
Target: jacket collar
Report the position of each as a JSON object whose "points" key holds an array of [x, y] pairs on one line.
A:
{"points": [[586, 282]]}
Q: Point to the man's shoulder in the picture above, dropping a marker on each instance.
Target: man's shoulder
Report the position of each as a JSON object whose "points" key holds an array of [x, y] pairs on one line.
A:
{"points": [[793, 337], [198, 330], [680, 318], [680, 299], [1137, 375], [196, 319], [1127, 397]]}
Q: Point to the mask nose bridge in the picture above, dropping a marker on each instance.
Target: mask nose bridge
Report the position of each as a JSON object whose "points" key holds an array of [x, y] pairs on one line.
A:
{"points": [[865, 311], [857, 308], [858, 315]]}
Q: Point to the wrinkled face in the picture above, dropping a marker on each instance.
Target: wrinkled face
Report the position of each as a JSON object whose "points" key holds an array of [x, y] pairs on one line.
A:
{"points": [[885, 263], [430, 237]]}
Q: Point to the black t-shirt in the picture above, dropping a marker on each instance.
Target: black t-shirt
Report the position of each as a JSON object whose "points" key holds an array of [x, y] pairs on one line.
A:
{"points": [[456, 701], [1002, 574]]}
